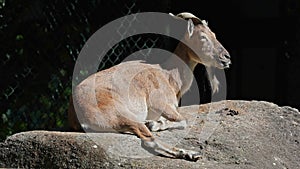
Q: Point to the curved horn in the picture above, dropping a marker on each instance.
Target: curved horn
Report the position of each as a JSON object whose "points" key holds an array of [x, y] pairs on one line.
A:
{"points": [[187, 15]]}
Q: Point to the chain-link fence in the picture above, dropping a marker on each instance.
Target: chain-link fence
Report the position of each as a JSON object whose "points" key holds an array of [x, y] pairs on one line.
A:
{"points": [[40, 41]]}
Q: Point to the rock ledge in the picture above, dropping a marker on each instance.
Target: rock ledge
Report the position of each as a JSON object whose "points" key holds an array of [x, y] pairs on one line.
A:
{"points": [[229, 134]]}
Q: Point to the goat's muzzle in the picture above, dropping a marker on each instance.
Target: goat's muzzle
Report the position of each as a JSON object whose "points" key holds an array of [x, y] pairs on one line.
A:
{"points": [[225, 61]]}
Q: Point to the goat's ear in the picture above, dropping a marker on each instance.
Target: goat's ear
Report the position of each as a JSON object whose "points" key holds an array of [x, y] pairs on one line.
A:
{"points": [[190, 27]]}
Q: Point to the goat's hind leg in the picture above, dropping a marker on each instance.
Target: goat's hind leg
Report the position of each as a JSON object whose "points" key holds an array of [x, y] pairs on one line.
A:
{"points": [[157, 147], [169, 151]]}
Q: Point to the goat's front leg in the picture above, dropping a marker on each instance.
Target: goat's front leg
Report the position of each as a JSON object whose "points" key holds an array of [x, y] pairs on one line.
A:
{"points": [[164, 124], [170, 119]]}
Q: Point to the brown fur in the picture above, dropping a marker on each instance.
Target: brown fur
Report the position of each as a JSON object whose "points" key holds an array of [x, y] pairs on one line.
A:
{"points": [[134, 96]]}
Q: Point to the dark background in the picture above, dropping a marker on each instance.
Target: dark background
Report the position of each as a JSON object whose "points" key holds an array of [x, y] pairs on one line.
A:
{"points": [[40, 41]]}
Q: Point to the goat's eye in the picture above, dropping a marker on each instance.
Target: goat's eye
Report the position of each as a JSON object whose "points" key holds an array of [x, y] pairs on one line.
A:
{"points": [[203, 38]]}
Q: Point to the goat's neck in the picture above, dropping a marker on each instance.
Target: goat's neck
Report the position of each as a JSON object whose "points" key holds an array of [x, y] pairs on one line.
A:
{"points": [[185, 70]]}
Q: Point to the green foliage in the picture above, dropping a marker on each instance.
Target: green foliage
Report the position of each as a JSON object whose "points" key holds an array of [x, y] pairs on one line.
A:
{"points": [[40, 41], [39, 44]]}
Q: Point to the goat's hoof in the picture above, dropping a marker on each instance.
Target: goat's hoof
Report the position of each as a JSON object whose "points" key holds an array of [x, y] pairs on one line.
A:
{"points": [[152, 125], [193, 156], [155, 125], [190, 155]]}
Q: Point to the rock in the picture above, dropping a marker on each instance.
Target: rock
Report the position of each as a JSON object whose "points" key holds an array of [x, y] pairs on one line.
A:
{"points": [[229, 134]]}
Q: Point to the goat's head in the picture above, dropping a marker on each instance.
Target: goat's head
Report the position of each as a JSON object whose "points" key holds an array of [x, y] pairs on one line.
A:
{"points": [[207, 49]]}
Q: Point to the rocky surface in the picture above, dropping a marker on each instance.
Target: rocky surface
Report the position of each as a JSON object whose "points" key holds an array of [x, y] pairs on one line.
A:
{"points": [[229, 134]]}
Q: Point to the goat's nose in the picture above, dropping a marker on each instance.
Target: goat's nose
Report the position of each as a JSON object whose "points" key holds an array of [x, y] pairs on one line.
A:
{"points": [[227, 56]]}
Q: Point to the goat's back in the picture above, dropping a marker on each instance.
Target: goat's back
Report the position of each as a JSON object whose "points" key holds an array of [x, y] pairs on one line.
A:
{"points": [[128, 89]]}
